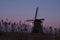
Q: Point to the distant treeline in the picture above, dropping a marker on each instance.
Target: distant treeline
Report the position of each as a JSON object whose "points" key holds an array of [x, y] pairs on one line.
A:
{"points": [[6, 26]]}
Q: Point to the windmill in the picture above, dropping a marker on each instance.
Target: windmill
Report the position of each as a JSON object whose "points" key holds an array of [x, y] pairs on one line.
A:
{"points": [[37, 24]]}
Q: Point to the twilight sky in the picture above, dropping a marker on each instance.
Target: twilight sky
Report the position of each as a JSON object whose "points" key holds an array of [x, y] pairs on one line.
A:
{"points": [[25, 9]]}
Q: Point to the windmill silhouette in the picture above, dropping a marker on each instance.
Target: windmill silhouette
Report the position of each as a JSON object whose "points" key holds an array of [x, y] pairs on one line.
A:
{"points": [[37, 24]]}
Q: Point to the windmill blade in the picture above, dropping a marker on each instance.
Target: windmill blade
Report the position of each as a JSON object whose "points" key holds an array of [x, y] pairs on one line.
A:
{"points": [[29, 20], [42, 19], [36, 12], [32, 21]]}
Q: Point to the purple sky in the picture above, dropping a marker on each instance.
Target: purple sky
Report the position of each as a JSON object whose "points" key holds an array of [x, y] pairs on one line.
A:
{"points": [[25, 9]]}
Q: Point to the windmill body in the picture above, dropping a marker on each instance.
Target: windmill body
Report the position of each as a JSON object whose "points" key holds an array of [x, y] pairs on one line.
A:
{"points": [[37, 26]]}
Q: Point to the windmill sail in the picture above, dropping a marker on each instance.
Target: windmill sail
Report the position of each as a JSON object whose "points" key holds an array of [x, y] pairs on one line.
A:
{"points": [[36, 12]]}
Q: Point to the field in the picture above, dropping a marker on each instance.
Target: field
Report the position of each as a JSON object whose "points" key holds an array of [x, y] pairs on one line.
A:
{"points": [[26, 36]]}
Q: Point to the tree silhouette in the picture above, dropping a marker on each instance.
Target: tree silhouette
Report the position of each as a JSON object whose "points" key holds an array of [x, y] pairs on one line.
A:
{"points": [[50, 30], [5, 24], [12, 27], [25, 28], [55, 31], [59, 31], [1, 21], [45, 30], [0, 27]]}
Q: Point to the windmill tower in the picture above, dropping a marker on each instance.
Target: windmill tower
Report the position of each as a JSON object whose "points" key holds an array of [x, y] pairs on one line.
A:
{"points": [[37, 24]]}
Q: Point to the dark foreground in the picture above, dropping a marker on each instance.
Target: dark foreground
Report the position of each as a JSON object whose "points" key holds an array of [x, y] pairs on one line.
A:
{"points": [[27, 36]]}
